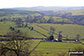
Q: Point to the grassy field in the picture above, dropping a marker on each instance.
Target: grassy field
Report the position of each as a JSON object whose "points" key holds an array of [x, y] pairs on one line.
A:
{"points": [[4, 28], [54, 48], [48, 48], [67, 29]]}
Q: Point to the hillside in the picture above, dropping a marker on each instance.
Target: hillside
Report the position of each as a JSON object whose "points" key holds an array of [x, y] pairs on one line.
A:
{"points": [[57, 15], [47, 48], [9, 12], [68, 30], [5, 27]]}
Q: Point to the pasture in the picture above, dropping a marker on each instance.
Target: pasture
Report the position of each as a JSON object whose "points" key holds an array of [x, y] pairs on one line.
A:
{"points": [[54, 48], [48, 48], [4, 28], [70, 30]]}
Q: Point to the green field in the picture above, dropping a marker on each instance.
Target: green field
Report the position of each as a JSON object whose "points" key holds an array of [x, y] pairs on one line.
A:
{"points": [[67, 29], [48, 48], [4, 28], [54, 48]]}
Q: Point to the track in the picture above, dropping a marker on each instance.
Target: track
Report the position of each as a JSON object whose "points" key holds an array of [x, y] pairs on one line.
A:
{"points": [[23, 38], [40, 33], [34, 48]]}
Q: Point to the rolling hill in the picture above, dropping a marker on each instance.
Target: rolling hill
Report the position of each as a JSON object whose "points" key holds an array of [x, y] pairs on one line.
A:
{"points": [[9, 12]]}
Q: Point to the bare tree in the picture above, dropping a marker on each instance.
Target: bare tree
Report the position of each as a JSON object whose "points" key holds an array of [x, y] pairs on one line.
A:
{"points": [[60, 36], [19, 47], [52, 30], [78, 37]]}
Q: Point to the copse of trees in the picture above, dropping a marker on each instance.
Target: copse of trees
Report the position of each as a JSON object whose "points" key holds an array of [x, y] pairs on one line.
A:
{"points": [[35, 19], [12, 28], [43, 19], [50, 20]]}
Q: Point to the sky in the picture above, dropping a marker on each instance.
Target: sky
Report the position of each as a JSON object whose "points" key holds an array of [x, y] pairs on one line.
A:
{"points": [[33, 3]]}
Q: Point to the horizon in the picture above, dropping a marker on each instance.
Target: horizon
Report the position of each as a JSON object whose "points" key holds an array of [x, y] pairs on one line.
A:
{"points": [[44, 6], [36, 3]]}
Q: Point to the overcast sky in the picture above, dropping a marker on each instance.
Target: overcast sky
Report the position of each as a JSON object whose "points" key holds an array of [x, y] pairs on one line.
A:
{"points": [[32, 3]]}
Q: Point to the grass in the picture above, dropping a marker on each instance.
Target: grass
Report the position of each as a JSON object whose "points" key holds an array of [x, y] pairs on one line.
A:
{"points": [[40, 29], [4, 28], [53, 48], [31, 33], [48, 48], [67, 29]]}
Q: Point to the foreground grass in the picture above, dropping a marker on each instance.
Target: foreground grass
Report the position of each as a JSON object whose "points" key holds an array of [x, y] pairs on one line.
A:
{"points": [[54, 48]]}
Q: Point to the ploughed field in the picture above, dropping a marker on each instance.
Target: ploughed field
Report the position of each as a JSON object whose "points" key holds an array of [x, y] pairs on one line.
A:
{"points": [[48, 48]]}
